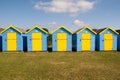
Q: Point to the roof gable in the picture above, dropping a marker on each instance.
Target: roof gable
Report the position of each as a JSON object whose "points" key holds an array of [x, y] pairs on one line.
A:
{"points": [[37, 28], [86, 27], [1, 29], [108, 28], [63, 28], [11, 26], [118, 31]]}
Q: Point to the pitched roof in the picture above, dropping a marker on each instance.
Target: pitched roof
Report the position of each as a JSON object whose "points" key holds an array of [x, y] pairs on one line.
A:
{"points": [[63, 28], [21, 29], [1, 29], [16, 28], [100, 31], [86, 27], [28, 30], [118, 31], [95, 30]]}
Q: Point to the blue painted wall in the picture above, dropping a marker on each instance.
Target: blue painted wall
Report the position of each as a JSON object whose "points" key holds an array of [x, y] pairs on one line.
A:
{"points": [[100, 40], [19, 39], [54, 39], [44, 39], [78, 38], [118, 46]]}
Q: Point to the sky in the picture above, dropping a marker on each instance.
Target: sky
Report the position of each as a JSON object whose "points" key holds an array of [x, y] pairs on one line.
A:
{"points": [[73, 14]]}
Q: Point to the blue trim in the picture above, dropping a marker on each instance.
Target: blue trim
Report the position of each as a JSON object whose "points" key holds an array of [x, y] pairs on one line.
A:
{"points": [[78, 38], [54, 39], [44, 39], [100, 40], [19, 39]]}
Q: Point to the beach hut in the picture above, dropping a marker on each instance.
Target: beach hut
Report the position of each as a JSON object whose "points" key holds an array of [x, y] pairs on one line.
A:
{"points": [[106, 39], [61, 39], [36, 39], [12, 39], [118, 41], [84, 39]]}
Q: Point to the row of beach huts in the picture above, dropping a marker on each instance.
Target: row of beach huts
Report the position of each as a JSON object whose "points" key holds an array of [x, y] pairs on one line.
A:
{"points": [[36, 39]]}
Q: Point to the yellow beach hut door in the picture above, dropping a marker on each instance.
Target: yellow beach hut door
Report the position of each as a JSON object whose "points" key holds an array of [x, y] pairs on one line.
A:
{"points": [[11, 41], [61, 42], [86, 39], [36, 41], [108, 41]]}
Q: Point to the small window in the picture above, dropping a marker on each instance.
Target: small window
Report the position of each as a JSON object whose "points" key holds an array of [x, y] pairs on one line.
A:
{"points": [[36, 30], [61, 31], [11, 30], [86, 31], [108, 32]]}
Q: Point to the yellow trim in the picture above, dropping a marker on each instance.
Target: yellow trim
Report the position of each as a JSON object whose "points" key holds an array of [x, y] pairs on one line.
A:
{"points": [[110, 29], [11, 26], [38, 28], [62, 27], [87, 28]]}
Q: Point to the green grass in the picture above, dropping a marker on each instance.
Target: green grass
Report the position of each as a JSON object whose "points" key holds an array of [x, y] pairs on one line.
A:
{"points": [[60, 66]]}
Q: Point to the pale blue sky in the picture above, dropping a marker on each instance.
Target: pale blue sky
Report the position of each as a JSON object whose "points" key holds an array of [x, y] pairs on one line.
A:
{"points": [[27, 13]]}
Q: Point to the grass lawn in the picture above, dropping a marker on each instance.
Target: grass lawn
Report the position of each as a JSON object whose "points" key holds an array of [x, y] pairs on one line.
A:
{"points": [[60, 66]]}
